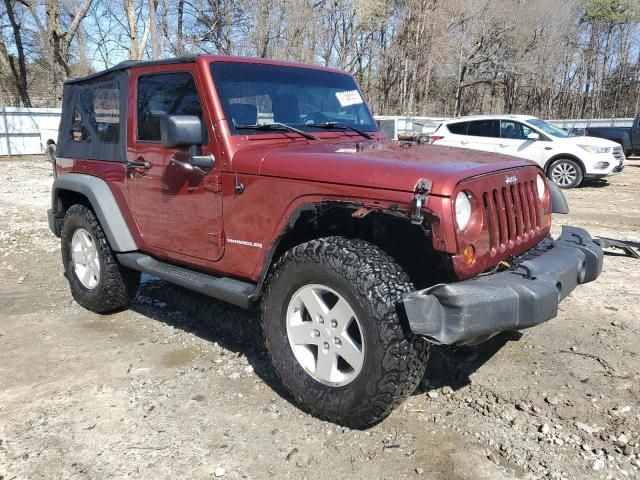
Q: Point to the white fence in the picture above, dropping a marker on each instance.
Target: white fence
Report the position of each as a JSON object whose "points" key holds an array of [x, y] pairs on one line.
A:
{"points": [[593, 122], [25, 131]]}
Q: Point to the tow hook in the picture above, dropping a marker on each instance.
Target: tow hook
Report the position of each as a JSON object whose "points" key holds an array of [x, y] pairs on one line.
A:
{"points": [[421, 191]]}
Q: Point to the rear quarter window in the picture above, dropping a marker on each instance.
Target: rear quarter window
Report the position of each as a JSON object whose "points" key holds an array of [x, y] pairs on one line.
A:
{"points": [[484, 128], [458, 128]]}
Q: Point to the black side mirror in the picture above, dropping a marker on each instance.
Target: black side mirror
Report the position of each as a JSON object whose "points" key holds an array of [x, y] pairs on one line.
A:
{"points": [[180, 131], [185, 131]]}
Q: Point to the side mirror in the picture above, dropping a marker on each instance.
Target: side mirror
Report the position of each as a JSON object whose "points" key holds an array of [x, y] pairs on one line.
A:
{"points": [[185, 131], [180, 131], [533, 136]]}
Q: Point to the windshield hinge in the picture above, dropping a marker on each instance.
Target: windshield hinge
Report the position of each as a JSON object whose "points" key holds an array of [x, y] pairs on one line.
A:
{"points": [[214, 183], [421, 191]]}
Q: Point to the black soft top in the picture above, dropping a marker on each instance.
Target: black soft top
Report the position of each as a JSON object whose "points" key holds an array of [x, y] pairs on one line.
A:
{"points": [[127, 64]]}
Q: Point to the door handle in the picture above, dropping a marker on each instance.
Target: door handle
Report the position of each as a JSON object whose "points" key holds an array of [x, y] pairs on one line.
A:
{"points": [[502, 145], [139, 164], [548, 148]]}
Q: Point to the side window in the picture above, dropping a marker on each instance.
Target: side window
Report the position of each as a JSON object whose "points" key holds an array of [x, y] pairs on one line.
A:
{"points": [[484, 128], [459, 128], [98, 111], [514, 130], [164, 94]]}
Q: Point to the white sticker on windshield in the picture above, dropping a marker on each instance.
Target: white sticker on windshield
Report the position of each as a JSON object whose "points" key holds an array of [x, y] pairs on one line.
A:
{"points": [[351, 97]]}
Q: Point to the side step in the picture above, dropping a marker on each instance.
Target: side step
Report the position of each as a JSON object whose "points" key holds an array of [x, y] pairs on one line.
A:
{"points": [[226, 289]]}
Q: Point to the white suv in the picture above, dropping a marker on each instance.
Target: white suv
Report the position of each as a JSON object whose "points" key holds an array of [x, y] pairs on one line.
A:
{"points": [[566, 159]]}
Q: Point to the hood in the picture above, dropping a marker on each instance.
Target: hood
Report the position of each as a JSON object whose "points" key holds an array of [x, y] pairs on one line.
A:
{"points": [[386, 165], [591, 141]]}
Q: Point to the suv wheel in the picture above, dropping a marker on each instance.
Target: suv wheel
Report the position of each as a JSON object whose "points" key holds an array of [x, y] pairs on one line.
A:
{"points": [[566, 173], [332, 329], [98, 282]]}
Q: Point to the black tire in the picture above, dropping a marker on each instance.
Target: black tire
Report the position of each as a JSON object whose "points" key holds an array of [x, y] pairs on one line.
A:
{"points": [[569, 165], [117, 285], [372, 283]]}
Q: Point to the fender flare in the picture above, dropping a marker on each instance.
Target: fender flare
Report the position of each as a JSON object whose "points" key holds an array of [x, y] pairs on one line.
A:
{"points": [[558, 200], [104, 205]]}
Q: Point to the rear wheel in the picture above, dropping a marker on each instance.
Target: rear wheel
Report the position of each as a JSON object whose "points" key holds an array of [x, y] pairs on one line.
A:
{"points": [[335, 336], [566, 173], [98, 282]]}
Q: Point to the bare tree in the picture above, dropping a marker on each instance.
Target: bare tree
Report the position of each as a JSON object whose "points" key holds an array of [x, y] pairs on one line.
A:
{"points": [[19, 71]]}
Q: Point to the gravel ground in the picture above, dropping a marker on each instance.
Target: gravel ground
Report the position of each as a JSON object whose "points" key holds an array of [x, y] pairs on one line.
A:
{"points": [[179, 386]]}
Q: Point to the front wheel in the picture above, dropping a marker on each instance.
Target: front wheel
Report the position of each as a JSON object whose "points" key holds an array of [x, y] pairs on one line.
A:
{"points": [[334, 334], [566, 173]]}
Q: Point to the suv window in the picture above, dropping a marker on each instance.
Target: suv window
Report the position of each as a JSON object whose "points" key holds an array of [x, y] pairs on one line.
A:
{"points": [[164, 94], [458, 128], [484, 128], [514, 130]]}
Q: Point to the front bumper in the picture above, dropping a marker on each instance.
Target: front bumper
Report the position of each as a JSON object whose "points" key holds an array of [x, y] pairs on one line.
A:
{"points": [[471, 311]]}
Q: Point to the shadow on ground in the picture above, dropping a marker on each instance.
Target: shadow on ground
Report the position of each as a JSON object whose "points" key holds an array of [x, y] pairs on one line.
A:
{"points": [[233, 328], [453, 366], [238, 331]]}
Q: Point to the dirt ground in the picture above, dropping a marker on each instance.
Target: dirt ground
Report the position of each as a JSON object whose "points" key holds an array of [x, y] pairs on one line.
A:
{"points": [[179, 386]]}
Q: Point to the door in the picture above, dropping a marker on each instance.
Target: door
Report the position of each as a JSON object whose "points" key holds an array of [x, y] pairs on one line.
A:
{"points": [[514, 141], [178, 207], [483, 135]]}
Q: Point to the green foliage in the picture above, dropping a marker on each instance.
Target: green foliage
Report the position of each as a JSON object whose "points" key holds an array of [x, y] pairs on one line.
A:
{"points": [[612, 12]]}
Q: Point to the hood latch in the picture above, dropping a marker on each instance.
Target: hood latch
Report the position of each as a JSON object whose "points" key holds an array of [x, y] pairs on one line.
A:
{"points": [[421, 191]]}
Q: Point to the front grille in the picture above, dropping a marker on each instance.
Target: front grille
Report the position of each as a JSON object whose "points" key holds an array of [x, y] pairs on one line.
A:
{"points": [[513, 215], [617, 153]]}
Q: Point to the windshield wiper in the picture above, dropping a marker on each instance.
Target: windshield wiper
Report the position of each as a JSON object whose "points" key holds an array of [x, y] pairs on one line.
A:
{"points": [[340, 126], [277, 126]]}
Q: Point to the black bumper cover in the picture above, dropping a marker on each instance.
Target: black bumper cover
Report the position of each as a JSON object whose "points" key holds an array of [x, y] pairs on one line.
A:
{"points": [[471, 311]]}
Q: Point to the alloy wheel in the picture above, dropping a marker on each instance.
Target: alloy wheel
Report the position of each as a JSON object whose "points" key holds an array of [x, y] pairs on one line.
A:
{"points": [[564, 174], [84, 255], [325, 335]]}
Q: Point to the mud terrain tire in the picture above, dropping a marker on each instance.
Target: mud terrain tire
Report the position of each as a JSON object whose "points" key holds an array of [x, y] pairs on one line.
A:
{"points": [[372, 283], [116, 285]]}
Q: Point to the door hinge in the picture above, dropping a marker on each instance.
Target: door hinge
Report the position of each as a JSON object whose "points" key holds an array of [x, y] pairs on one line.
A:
{"points": [[214, 184], [216, 238]]}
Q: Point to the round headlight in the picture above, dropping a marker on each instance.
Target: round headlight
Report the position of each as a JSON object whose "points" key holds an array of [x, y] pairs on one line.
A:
{"points": [[541, 186], [463, 210]]}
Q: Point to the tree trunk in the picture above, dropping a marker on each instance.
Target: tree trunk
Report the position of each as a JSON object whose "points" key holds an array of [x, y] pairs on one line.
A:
{"points": [[180, 32], [19, 73], [153, 29]]}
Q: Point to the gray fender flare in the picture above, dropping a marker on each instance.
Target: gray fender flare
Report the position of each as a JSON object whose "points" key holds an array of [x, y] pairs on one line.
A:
{"points": [[558, 201], [104, 205]]}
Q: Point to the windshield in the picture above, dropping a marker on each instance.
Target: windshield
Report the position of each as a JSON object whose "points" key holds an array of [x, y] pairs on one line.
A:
{"points": [[548, 128], [257, 94]]}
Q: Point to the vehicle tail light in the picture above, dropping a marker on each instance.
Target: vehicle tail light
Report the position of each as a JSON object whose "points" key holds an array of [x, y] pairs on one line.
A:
{"points": [[435, 138]]}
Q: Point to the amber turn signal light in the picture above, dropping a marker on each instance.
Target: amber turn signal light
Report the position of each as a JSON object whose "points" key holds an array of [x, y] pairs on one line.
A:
{"points": [[469, 255]]}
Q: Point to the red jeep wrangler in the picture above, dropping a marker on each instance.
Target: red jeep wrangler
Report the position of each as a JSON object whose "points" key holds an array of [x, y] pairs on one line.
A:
{"points": [[256, 181]]}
